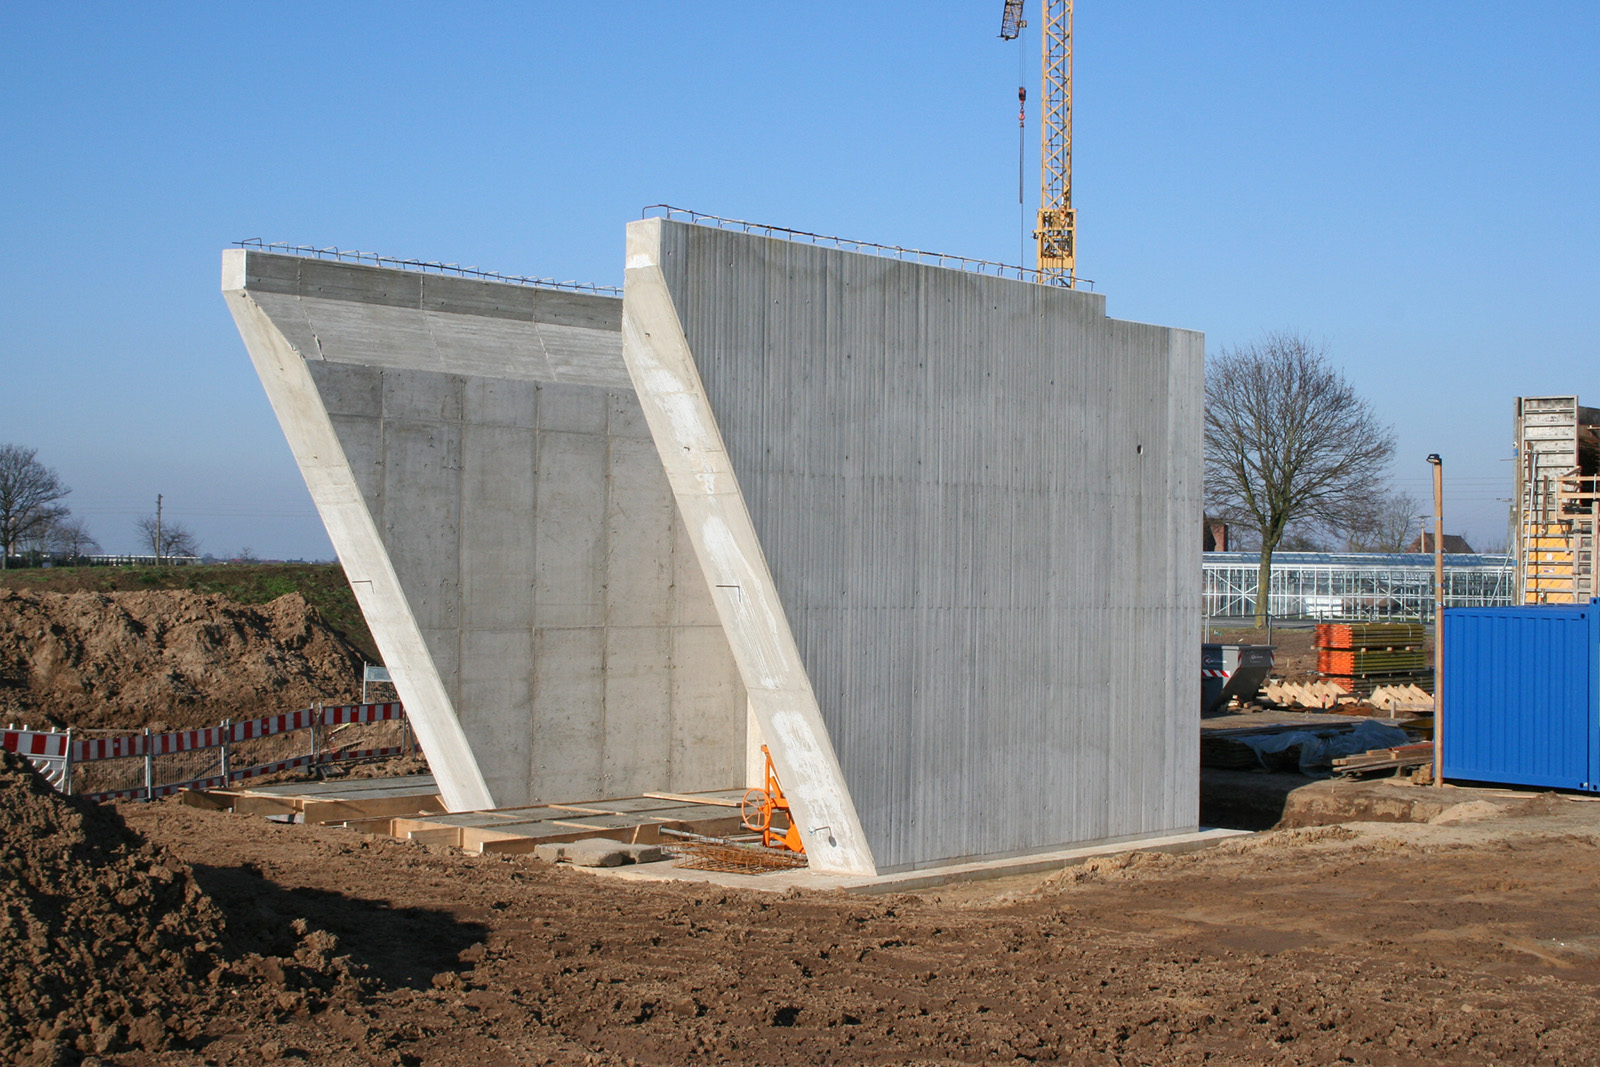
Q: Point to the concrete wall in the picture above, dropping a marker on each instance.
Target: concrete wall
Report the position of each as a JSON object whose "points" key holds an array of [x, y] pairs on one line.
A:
{"points": [[483, 467], [949, 524]]}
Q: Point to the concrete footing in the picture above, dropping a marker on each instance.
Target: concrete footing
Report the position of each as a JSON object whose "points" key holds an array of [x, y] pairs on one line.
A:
{"points": [[932, 877]]}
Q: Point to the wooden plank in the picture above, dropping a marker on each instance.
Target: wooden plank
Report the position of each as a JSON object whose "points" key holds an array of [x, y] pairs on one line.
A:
{"points": [[263, 806], [466, 819], [515, 846], [412, 783], [207, 801], [692, 813], [598, 822], [401, 827], [624, 806], [722, 798], [486, 833], [321, 812], [366, 794]]}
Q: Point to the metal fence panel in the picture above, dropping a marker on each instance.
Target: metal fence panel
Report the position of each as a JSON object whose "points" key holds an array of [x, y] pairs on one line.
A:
{"points": [[1319, 585]]}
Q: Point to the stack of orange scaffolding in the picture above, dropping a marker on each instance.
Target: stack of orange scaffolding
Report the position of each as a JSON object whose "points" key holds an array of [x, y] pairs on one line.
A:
{"points": [[1361, 656]]}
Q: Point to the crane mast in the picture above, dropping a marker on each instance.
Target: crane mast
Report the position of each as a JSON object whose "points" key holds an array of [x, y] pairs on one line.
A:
{"points": [[1056, 228]]}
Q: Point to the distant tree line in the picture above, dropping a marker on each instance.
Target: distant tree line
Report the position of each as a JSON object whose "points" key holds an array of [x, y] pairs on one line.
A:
{"points": [[35, 526]]}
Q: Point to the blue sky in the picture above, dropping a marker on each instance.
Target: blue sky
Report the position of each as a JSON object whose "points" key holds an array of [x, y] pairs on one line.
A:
{"points": [[1411, 184]]}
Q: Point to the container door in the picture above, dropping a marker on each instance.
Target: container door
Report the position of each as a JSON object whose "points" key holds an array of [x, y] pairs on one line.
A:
{"points": [[1522, 696]]}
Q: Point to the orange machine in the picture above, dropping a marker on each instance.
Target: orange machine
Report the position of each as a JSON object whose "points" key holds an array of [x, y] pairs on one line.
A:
{"points": [[759, 807]]}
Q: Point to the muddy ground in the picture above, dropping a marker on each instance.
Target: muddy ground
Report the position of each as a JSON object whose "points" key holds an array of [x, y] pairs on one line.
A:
{"points": [[1472, 942]]}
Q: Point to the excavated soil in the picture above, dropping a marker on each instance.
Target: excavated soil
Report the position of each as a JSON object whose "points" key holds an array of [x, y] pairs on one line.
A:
{"points": [[110, 947], [165, 659], [1474, 942]]}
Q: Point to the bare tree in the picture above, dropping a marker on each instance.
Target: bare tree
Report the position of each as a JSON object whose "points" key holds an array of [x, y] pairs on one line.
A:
{"points": [[28, 494], [165, 538], [1387, 525], [70, 539], [1288, 442]]}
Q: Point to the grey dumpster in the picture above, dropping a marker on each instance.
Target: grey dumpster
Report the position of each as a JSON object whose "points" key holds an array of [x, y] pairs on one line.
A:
{"points": [[1229, 671]]}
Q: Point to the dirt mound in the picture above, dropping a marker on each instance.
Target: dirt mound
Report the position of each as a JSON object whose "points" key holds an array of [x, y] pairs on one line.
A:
{"points": [[168, 659], [1119, 866], [108, 943]]}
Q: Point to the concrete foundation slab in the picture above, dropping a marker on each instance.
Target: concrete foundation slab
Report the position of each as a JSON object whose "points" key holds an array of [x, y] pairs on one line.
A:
{"points": [[781, 881]]}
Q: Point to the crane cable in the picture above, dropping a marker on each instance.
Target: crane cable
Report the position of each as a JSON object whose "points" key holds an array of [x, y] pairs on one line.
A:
{"points": [[1022, 151]]}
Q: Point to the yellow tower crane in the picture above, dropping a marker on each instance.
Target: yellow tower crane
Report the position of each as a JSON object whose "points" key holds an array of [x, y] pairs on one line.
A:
{"points": [[1056, 231]]}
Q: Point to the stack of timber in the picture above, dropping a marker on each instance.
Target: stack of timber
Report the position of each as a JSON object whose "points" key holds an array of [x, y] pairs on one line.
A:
{"points": [[1384, 759], [1365, 656]]}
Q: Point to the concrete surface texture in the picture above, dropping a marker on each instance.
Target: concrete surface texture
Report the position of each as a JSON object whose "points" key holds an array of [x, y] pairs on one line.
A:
{"points": [[482, 465], [947, 519]]}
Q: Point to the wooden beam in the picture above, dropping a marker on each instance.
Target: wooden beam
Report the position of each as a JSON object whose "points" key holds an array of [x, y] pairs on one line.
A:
{"points": [[696, 798]]}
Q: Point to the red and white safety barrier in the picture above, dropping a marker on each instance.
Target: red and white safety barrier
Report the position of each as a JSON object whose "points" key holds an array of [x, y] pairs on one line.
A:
{"points": [[363, 753], [55, 752], [1207, 673], [49, 751], [184, 741], [346, 714], [272, 768], [138, 793], [268, 725], [99, 748], [47, 744]]}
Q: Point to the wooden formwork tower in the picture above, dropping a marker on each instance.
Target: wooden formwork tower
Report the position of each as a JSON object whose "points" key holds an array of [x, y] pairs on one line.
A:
{"points": [[1558, 447]]}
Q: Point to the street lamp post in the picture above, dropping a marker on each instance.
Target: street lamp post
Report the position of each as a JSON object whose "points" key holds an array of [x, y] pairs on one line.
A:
{"points": [[1438, 618]]}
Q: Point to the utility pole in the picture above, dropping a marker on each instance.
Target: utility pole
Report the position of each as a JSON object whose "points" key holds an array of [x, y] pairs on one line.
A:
{"points": [[158, 529], [1438, 618]]}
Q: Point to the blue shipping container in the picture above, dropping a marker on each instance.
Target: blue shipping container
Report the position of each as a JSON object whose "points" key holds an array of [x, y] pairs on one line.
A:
{"points": [[1522, 695]]}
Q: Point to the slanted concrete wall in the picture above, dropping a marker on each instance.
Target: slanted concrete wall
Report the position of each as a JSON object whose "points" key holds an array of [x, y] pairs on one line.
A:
{"points": [[949, 522], [485, 473]]}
